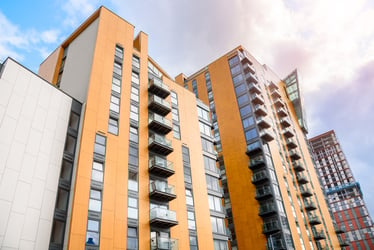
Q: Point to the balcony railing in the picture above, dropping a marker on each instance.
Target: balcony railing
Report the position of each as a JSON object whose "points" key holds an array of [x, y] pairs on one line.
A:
{"points": [[256, 162], [285, 122], [294, 154], [344, 242], [309, 205], [272, 86], [257, 99], [159, 123], [275, 93], [267, 209], [260, 177], [161, 191], [164, 243], [319, 234], [248, 68], [251, 78], [291, 143], [263, 122], [271, 227], [282, 112], [278, 103], [156, 86], [302, 179], [159, 105], [163, 218], [305, 191], [339, 229], [288, 133], [160, 166], [266, 135], [260, 110], [159, 144], [254, 88], [263, 192], [298, 166], [254, 148], [314, 220]]}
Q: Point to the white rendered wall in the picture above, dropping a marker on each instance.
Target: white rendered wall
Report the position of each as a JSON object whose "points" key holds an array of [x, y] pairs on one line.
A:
{"points": [[34, 118]]}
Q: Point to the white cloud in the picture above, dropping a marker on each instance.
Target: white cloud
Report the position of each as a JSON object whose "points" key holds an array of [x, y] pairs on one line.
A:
{"points": [[78, 10], [50, 36]]}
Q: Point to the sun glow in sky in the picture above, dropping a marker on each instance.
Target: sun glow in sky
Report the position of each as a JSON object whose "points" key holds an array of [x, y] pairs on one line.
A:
{"points": [[330, 42]]}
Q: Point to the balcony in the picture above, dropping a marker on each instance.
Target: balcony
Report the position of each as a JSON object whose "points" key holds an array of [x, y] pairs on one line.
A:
{"points": [[294, 154], [157, 87], [305, 191], [248, 68], [260, 177], [160, 167], [273, 86], [251, 78], [282, 112], [271, 227], [339, 229], [267, 209], [263, 192], [257, 162], [314, 220], [253, 88], [291, 143], [275, 93], [344, 242], [309, 205], [159, 144], [163, 218], [278, 103], [164, 243], [161, 191], [266, 135], [298, 166], [288, 133], [302, 179], [263, 122], [159, 123], [285, 122], [159, 105], [245, 59], [254, 148], [260, 110], [276, 244], [257, 99], [319, 234]]}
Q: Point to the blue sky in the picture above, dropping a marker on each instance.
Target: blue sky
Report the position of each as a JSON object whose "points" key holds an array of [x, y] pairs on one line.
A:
{"points": [[330, 42]]}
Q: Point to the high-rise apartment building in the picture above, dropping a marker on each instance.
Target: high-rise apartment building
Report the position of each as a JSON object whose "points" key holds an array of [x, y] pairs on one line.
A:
{"points": [[267, 173], [343, 193], [107, 151]]}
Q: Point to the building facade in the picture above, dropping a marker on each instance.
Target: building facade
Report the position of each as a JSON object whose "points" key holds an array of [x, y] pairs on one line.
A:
{"points": [[343, 192], [267, 173]]}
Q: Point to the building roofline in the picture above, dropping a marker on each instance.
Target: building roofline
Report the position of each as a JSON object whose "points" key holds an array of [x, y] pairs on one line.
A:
{"points": [[322, 135]]}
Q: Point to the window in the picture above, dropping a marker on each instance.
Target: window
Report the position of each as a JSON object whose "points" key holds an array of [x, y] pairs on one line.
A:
{"points": [[135, 62], [189, 198], [114, 103], [175, 114], [134, 111], [187, 175], [134, 94], [191, 220], [204, 114], [174, 98], [237, 79], [132, 211], [70, 145], [212, 183], [207, 145], [245, 110], [233, 61], [116, 85], [243, 99], [205, 129], [99, 147], [218, 225], [119, 52], [97, 172], [220, 245], [133, 181], [176, 131], [215, 203], [94, 203], [135, 78], [235, 70], [133, 156], [92, 235], [250, 134], [249, 121], [113, 125], [133, 134], [132, 238], [74, 121], [194, 88], [210, 164], [193, 243], [117, 68], [240, 88]]}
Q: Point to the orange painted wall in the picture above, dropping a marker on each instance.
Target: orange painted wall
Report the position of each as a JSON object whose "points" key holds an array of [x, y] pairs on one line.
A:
{"points": [[49, 67]]}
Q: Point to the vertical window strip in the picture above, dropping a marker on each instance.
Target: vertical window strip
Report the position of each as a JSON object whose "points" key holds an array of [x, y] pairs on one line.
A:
{"points": [[175, 115], [95, 196], [194, 88], [133, 164], [114, 107]]}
